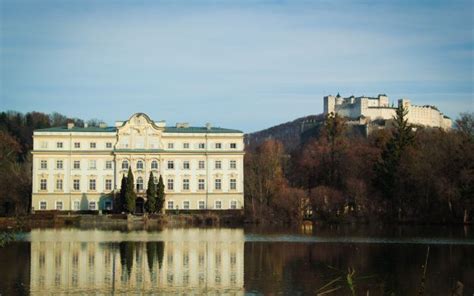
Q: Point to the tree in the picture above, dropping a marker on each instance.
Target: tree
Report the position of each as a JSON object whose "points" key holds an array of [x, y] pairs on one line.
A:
{"points": [[151, 195], [160, 195], [130, 195], [465, 124], [123, 189], [386, 169]]}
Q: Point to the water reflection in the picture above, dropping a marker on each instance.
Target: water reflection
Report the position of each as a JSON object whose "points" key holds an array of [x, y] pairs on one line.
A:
{"points": [[212, 261], [194, 261]]}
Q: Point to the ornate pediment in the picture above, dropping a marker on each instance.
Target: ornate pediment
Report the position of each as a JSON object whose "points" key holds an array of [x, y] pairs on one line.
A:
{"points": [[139, 132]]}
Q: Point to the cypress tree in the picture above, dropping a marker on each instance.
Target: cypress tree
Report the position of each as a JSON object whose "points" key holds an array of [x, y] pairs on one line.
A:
{"points": [[121, 200], [160, 199], [151, 195], [130, 195], [386, 169]]}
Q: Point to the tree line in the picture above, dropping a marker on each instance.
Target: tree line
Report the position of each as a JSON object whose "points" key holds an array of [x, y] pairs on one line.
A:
{"points": [[403, 173]]}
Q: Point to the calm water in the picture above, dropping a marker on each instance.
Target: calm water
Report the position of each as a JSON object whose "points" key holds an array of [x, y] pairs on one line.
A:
{"points": [[238, 261]]}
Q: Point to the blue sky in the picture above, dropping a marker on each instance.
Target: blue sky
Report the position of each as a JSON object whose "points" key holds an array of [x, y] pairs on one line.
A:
{"points": [[238, 64]]}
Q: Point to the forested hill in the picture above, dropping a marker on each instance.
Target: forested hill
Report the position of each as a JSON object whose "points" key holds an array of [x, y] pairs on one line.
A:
{"points": [[290, 133]]}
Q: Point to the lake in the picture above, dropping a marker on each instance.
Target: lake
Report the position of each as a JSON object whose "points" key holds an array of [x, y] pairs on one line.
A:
{"points": [[238, 261]]}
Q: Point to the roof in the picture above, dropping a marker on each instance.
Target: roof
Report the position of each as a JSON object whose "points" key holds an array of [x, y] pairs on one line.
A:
{"points": [[111, 129], [90, 129], [197, 129]]}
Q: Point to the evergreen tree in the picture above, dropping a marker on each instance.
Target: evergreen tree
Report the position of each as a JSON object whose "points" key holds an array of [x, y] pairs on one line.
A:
{"points": [[130, 195], [160, 198], [386, 169], [151, 195], [121, 199]]}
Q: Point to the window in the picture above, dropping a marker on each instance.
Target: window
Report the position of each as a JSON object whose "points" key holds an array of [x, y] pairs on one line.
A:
{"points": [[233, 204], [92, 145], [170, 145], [201, 164], [108, 184], [43, 184], [154, 165], [77, 145], [218, 184], [185, 145], [201, 184], [233, 145], [170, 204], [92, 164], [139, 165], [77, 205], [76, 184], [124, 165], [59, 205], [92, 184], [59, 164], [77, 164], [218, 165], [202, 205], [233, 184], [44, 164], [233, 164], [218, 204], [92, 205], [108, 145], [108, 205], [44, 144], [170, 165], [170, 184], [186, 165], [185, 184], [59, 144], [186, 205], [139, 184], [218, 145], [59, 184], [202, 146], [108, 164], [43, 205]]}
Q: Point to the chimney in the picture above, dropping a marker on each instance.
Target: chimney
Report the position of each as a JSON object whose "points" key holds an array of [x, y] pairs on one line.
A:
{"points": [[70, 125]]}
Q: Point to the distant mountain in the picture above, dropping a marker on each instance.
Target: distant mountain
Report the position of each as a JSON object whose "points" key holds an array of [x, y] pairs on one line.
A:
{"points": [[291, 133]]}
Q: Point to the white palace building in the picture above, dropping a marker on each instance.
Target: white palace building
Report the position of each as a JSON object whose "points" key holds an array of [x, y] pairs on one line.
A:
{"points": [[79, 168]]}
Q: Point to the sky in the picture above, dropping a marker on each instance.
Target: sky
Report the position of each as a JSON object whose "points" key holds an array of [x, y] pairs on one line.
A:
{"points": [[246, 65]]}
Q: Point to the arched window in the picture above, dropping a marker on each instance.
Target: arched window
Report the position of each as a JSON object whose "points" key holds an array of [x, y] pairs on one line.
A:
{"points": [[139, 184], [154, 165], [139, 165], [125, 165]]}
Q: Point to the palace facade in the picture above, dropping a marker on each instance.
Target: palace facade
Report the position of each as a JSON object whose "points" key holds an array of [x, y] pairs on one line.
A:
{"points": [[80, 168]]}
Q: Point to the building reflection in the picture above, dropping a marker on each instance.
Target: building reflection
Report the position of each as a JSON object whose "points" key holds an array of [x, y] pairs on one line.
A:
{"points": [[184, 260]]}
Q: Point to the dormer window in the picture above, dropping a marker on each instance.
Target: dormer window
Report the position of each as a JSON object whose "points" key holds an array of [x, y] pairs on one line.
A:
{"points": [[140, 165]]}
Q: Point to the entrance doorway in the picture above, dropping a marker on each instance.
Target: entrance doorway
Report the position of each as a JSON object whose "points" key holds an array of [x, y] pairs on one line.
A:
{"points": [[139, 205]]}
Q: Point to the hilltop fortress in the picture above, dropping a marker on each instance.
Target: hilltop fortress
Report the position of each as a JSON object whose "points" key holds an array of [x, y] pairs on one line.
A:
{"points": [[368, 109]]}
